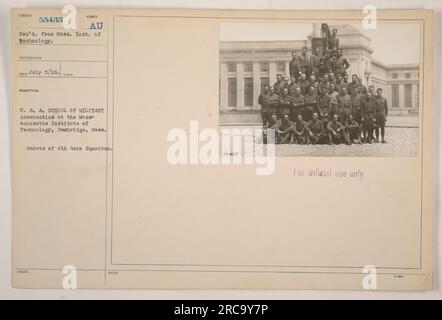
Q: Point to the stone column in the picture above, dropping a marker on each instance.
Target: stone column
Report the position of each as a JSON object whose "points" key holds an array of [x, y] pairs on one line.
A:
{"points": [[287, 73], [387, 95], [317, 40], [401, 97], [317, 30], [256, 85], [223, 86], [414, 97]]}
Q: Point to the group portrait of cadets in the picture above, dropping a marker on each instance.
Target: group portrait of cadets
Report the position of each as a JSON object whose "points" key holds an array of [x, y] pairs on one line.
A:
{"points": [[318, 104]]}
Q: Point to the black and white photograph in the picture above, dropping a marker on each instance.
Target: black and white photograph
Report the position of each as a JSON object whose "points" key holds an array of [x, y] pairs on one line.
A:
{"points": [[326, 88]]}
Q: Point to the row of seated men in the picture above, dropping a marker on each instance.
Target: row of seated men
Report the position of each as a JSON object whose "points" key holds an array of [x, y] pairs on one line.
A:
{"points": [[367, 109], [314, 131]]}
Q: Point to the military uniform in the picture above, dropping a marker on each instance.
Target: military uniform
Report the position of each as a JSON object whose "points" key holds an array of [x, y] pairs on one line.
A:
{"points": [[352, 88], [315, 131], [299, 132], [279, 86], [324, 85], [314, 84], [333, 43], [353, 129], [315, 62], [337, 133], [339, 85], [292, 88], [304, 85], [303, 64], [356, 107], [368, 114], [324, 108], [325, 65], [381, 110], [381, 113], [298, 106], [310, 106], [294, 68], [284, 131], [272, 124], [333, 103], [285, 104], [341, 66], [344, 106], [264, 103], [273, 102]]}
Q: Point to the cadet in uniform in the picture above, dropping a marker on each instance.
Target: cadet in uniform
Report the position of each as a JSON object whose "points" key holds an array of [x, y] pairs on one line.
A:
{"points": [[332, 78], [324, 106], [339, 82], [314, 83], [315, 130], [273, 102], [368, 114], [333, 41], [353, 85], [264, 102], [303, 61], [294, 66], [310, 104], [299, 131], [284, 130], [315, 61], [344, 105], [356, 97], [304, 84], [336, 131], [381, 113], [298, 104], [324, 84], [333, 100], [341, 64], [325, 64], [285, 103], [353, 129], [292, 86], [273, 122], [279, 84]]}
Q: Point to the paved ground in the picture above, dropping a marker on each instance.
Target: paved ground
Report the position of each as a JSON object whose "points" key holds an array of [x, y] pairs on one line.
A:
{"points": [[403, 121], [401, 142], [402, 137]]}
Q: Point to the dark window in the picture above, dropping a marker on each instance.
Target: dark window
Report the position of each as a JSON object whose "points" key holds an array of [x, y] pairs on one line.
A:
{"points": [[264, 67], [248, 67], [395, 95], [417, 96], [231, 67], [407, 96], [248, 92], [394, 75], [407, 75], [280, 66], [231, 92]]}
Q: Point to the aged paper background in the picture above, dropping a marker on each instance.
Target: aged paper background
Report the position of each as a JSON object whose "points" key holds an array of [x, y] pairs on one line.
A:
{"points": [[131, 220]]}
